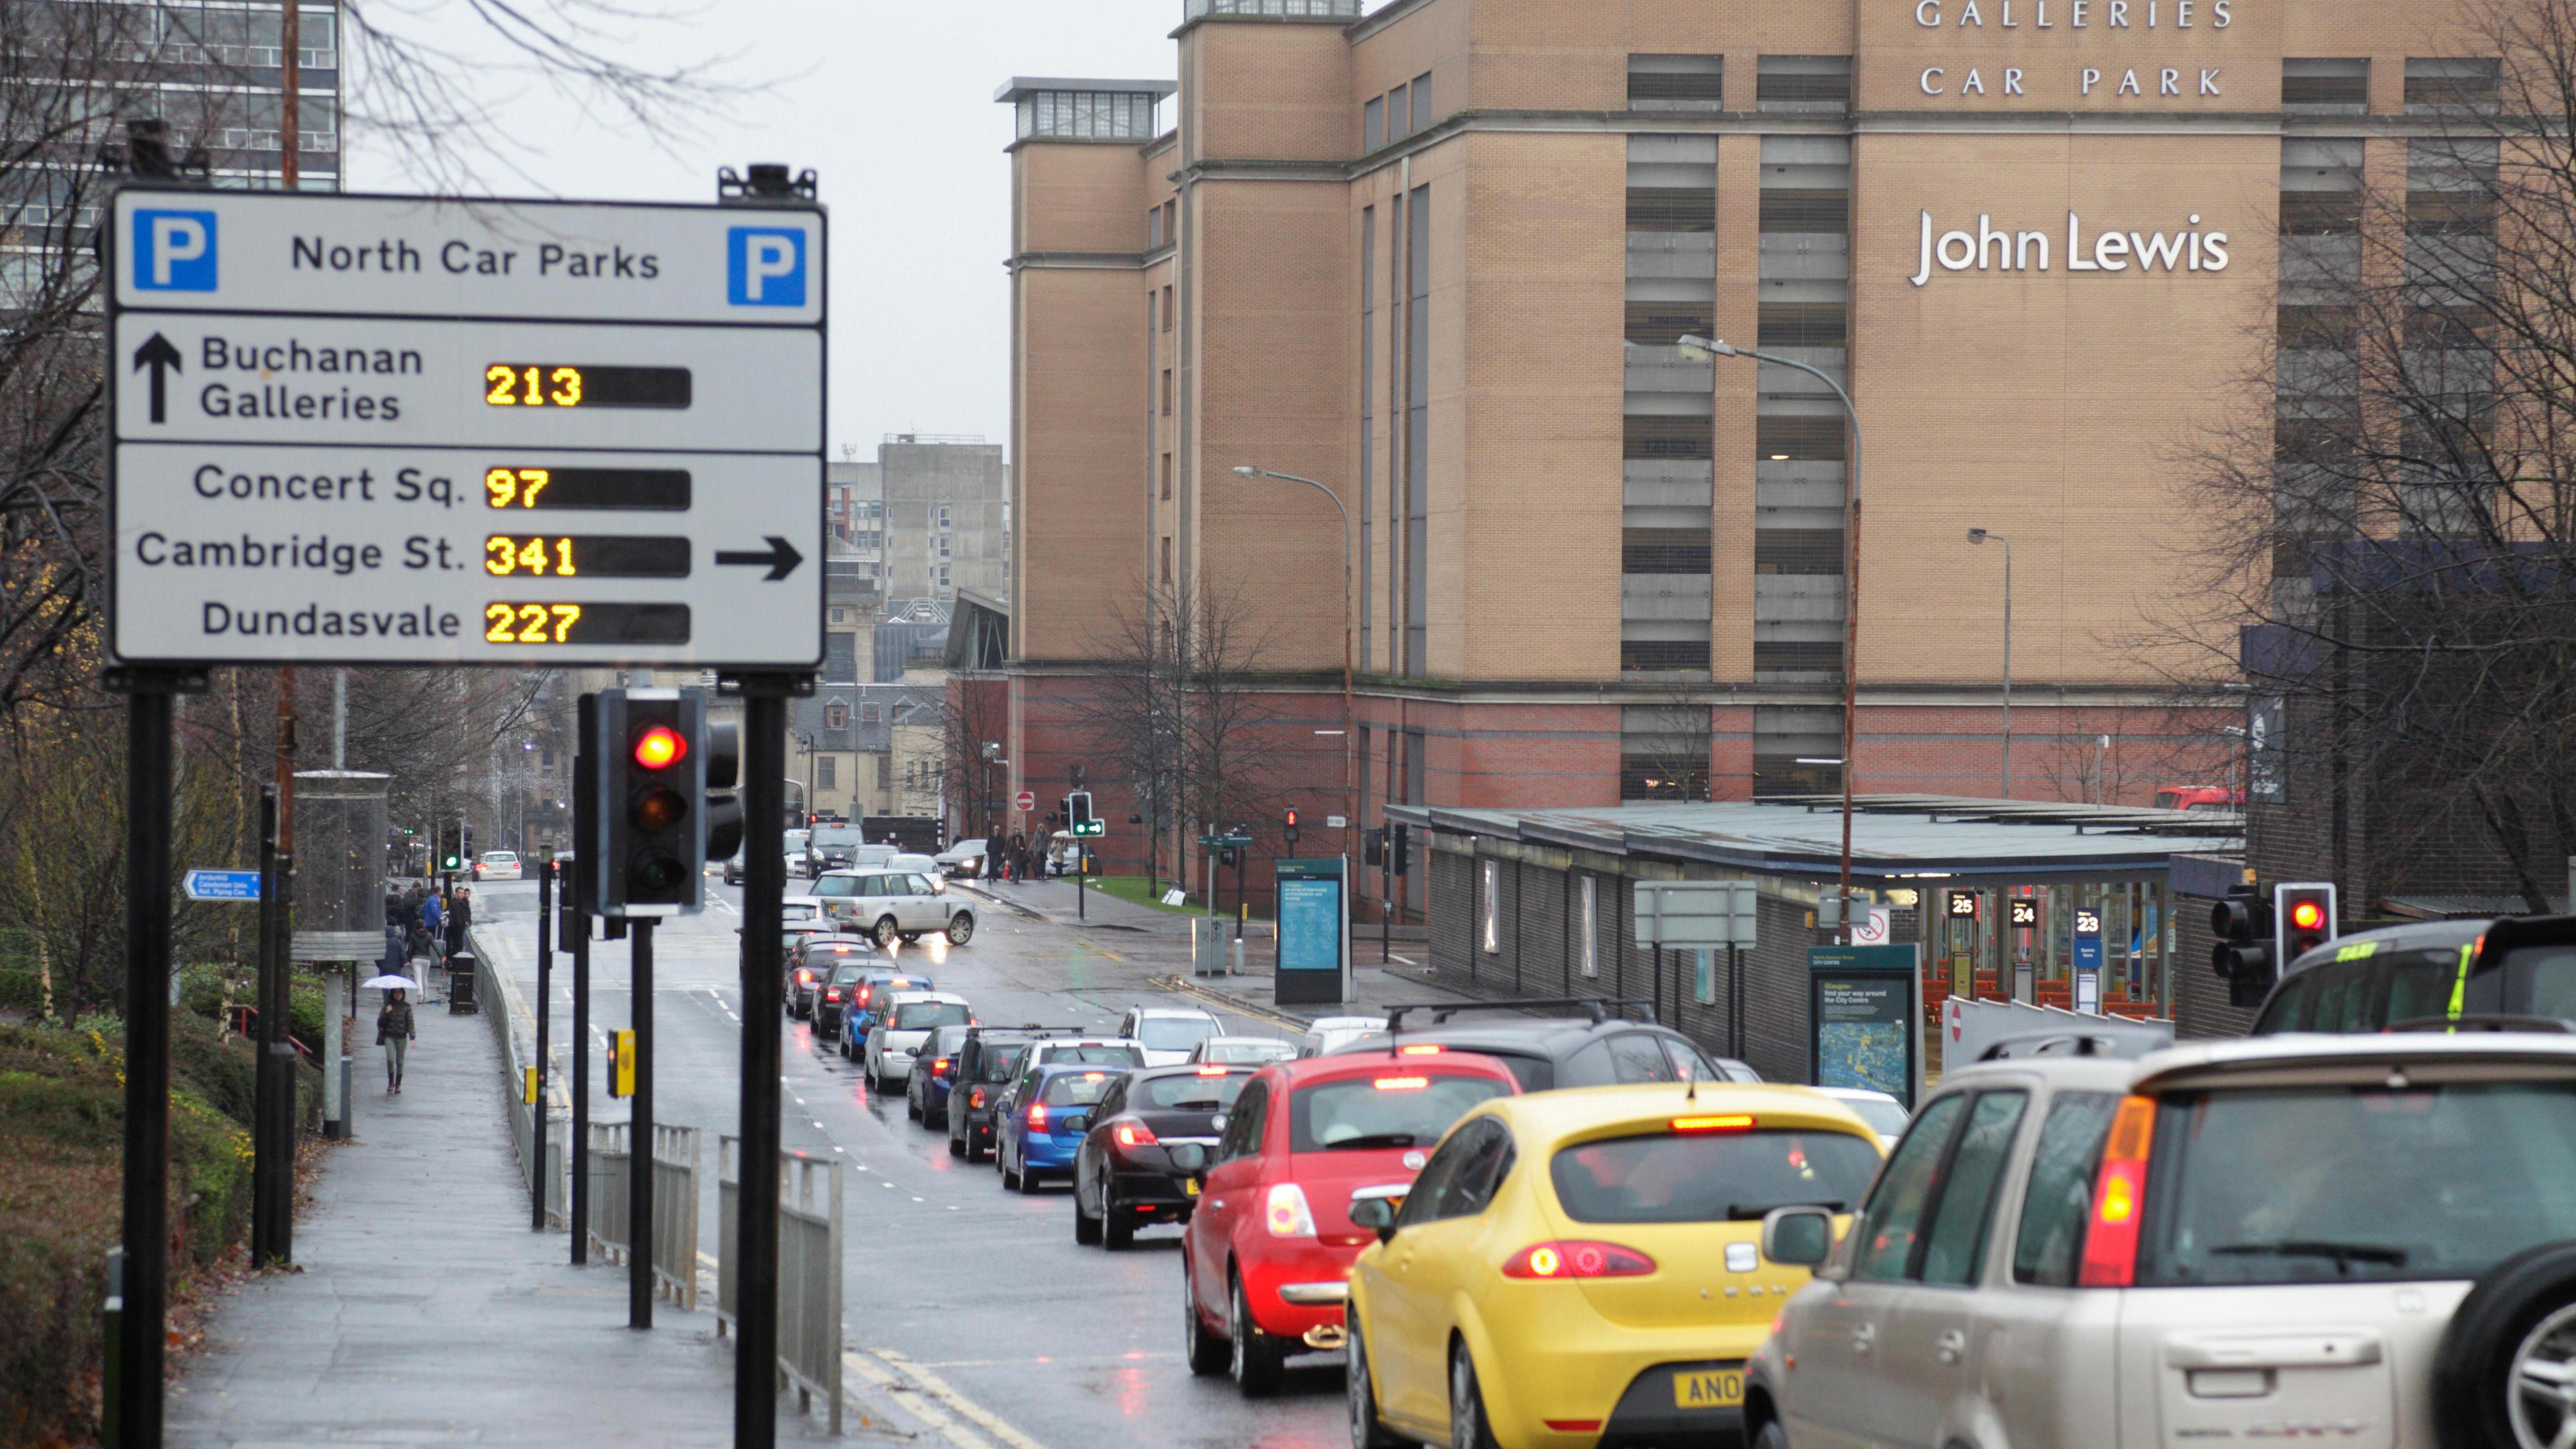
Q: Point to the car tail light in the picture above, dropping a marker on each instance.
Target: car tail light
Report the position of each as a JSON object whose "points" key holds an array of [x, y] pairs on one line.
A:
{"points": [[1420, 1051], [1211, 1071], [1037, 1116], [975, 1098], [2111, 1243], [939, 1068], [804, 978], [1288, 1215], [1135, 1134], [1726, 1122], [831, 993], [1401, 1084], [863, 995], [1578, 1259]]}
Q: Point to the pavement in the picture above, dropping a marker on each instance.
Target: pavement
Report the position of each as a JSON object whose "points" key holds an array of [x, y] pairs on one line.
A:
{"points": [[424, 1312]]}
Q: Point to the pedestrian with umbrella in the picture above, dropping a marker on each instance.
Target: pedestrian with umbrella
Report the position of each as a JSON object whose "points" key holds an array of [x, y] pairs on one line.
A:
{"points": [[394, 1029]]}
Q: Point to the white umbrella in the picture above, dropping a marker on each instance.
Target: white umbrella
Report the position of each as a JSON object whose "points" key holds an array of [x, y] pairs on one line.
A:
{"points": [[391, 982]]}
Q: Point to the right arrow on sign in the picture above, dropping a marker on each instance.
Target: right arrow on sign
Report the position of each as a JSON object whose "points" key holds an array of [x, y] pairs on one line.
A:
{"points": [[780, 557], [157, 353]]}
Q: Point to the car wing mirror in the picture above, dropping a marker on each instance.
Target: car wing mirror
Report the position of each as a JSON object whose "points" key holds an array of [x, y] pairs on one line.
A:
{"points": [[1190, 1157], [1376, 1215], [1798, 1237], [1078, 1122]]}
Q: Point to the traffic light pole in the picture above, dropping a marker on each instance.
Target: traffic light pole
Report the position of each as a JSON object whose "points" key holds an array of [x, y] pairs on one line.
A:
{"points": [[538, 1179], [639, 1133], [764, 886], [272, 1192], [585, 861]]}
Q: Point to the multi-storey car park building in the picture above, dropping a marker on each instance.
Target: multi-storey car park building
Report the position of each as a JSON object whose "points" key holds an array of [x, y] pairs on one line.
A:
{"points": [[1438, 257]]}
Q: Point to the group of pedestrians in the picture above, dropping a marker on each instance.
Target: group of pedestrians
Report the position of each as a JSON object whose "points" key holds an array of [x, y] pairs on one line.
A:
{"points": [[423, 925]]}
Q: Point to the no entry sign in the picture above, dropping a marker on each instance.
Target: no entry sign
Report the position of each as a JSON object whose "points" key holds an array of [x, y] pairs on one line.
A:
{"points": [[1026, 801], [391, 430]]}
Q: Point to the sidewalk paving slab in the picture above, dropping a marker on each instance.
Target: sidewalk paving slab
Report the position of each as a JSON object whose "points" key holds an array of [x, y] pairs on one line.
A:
{"points": [[426, 1312]]}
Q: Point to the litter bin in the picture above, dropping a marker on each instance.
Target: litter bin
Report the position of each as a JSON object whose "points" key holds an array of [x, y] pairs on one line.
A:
{"points": [[460, 984]]}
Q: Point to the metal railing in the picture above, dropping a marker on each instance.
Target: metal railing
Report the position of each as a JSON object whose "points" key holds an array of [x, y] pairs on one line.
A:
{"points": [[1347, 9], [611, 1227], [514, 1032], [809, 1268]]}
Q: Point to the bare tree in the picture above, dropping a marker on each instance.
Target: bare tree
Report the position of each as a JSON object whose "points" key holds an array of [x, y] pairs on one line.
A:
{"points": [[2398, 541], [973, 715]]}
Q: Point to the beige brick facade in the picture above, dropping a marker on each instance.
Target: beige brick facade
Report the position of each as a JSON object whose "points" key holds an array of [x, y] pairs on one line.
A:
{"points": [[2032, 378]]}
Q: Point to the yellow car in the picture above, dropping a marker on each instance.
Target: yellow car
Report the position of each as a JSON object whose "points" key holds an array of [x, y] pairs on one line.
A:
{"points": [[1583, 1268]]}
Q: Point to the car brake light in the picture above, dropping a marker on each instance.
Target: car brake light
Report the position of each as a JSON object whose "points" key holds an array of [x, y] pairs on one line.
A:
{"points": [[1135, 1134], [1728, 1122], [1401, 1084], [832, 993], [863, 995], [975, 1098], [1037, 1115], [2111, 1245], [1211, 1071], [1421, 1051], [1288, 1215], [804, 978], [1578, 1259], [939, 1068]]}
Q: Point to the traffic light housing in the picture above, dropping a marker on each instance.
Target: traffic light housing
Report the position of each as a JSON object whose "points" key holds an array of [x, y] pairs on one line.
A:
{"points": [[1403, 849], [1079, 816], [2303, 918], [1373, 847], [725, 827], [450, 853], [2243, 957], [1288, 829], [464, 843], [649, 748]]}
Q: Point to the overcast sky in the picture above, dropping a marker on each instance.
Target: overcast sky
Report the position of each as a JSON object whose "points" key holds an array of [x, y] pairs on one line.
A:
{"points": [[892, 107]]}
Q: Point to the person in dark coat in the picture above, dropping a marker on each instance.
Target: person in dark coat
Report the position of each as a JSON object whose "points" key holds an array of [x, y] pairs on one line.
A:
{"points": [[997, 855], [460, 917], [394, 1032]]}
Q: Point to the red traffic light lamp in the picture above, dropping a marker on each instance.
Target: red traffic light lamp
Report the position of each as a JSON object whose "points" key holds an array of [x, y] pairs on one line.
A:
{"points": [[2305, 915], [660, 747]]}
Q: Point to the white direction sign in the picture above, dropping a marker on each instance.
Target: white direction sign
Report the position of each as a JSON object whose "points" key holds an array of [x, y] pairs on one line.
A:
{"points": [[389, 430]]}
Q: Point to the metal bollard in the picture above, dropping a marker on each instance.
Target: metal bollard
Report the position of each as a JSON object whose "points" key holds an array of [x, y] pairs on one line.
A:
{"points": [[111, 1370]]}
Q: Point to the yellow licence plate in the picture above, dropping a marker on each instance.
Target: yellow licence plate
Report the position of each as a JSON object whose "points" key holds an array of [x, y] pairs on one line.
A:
{"points": [[1708, 1388], [1190, 1186]]}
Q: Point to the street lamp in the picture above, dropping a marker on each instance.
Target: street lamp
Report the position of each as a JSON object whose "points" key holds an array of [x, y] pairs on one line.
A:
{"points": [[1708, 349], [1980, 535], [1350, 812]]}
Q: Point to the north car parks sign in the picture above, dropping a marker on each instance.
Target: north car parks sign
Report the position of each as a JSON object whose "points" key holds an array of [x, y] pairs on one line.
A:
{"points": [[412, 431]]}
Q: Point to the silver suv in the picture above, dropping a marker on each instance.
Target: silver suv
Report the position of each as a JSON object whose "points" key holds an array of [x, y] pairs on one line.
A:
{"points": [[2350, 1240]]}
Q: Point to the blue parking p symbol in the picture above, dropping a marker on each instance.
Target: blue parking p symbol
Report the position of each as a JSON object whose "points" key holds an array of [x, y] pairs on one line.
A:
{"points": [[765, 267], [174, 251]]}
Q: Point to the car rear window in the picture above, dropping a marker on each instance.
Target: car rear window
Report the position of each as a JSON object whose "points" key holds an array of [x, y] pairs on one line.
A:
{"points": [[847, 976], [1188, 1094], [2336, 1184], [1074, 1088], [1397, 1108], [2536, 980], [1711, 1177], [837, 885], [1001, 1063], [1174, 1033], [1119, 1056], [1247, 1052], [923, 1015]]}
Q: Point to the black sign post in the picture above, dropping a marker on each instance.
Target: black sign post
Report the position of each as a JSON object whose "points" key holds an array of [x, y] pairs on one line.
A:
{"points": [[764, 886], [538, 1178], [272, 1190]]}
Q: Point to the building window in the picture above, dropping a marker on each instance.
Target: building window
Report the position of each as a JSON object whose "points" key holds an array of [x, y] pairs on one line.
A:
{"points": [[1167, 475], [885, 772], [836, 716], [870, 713], [1489, 907], [1587, 922], [1098, 115], [943, 576], [2326, 87], [1803, 83], [837, 615], [1167, 309], [1373, 125], [827, 772], [1167, 392], [1676, 82], [1421, 104], [943, 517], [1153, 227], [1397, 109], [2436, 87], [1166, 562]]}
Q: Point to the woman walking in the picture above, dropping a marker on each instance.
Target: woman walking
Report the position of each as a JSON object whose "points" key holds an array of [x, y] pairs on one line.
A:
{"points": [[394, 1033]]}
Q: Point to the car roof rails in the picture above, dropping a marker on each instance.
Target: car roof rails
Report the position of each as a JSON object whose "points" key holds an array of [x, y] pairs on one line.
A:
{"points": [[2069, 1043], [2489, 1021], [1599, 1009]]}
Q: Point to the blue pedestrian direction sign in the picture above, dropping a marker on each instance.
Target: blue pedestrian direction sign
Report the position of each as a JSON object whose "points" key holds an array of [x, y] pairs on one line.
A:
{"points": [[222, 885]]}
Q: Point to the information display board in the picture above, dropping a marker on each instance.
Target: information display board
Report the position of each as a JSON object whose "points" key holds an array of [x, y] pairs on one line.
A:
{"points": [[401, 430], [1313, 900], [1865, 1019]]}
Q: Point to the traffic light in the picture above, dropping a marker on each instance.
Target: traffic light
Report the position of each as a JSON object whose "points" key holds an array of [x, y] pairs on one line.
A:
{"points": [[1077, 812], [1373, 847], [2243, 956], [724, 808], [2303, 918], [650, 752], [465, 841], [450, 855], [1288, 829], [1403, 850]]}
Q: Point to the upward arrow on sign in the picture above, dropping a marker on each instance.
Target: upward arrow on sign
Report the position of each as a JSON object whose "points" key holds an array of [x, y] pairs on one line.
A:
{"points": [[157, 354]]}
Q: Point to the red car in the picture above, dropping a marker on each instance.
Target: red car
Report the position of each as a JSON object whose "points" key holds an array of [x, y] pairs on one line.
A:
{"points": [[1265, 1265]]}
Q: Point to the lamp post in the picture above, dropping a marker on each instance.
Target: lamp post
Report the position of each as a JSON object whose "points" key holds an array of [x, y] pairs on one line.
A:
{"points": [[1705, 349], [1980, 535], [1350, 811]]}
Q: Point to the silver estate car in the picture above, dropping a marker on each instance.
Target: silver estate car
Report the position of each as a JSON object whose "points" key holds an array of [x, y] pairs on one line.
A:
{"points": [[2366, 1241]]}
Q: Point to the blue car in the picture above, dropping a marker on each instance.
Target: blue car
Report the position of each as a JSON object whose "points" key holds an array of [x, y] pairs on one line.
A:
{"points": [[874, 986], [934, 1074], [1047, 1112]]}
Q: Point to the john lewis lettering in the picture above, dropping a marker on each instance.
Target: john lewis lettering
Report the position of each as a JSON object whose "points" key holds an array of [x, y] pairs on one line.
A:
{"points": [[2190, 249]]}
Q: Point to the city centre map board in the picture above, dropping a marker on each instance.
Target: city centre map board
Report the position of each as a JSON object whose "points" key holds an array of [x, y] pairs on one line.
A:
{"points": [[428, 431]]}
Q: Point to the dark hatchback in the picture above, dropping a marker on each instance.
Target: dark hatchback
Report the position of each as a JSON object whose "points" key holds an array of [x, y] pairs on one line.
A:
{"points": [[810, 964], [2499, 971], [1597, 1049], [934, 1073], [987, 1062], [833, 1002], [1123, 1177]]}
